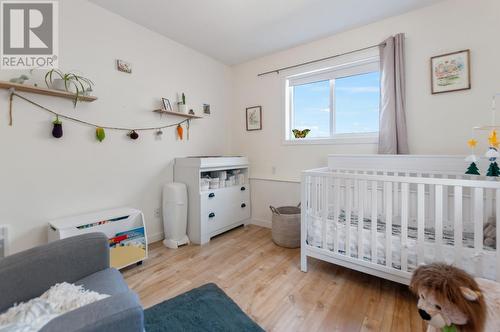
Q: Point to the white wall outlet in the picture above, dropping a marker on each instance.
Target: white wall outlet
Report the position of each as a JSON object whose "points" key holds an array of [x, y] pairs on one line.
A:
{"points": [[157, 213]]}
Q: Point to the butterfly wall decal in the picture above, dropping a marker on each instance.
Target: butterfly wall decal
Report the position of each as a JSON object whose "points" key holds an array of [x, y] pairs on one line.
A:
{"points": [[300, 133]]}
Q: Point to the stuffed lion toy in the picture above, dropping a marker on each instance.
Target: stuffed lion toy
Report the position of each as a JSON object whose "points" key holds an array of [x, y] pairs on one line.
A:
{"points": [[450, 300]]}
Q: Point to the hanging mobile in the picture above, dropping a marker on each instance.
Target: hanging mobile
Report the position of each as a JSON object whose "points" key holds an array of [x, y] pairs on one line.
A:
{"points": [[492, 154], [472, 169]]}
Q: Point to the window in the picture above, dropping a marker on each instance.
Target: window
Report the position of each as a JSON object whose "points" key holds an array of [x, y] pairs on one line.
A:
{"points": [[336, 103]]}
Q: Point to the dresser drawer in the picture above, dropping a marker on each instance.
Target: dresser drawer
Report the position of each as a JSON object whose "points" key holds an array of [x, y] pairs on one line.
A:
{"points": [[224, 207]]}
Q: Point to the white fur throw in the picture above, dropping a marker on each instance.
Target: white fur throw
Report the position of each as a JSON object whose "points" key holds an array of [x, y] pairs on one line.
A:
{"points": [[34, 314]]}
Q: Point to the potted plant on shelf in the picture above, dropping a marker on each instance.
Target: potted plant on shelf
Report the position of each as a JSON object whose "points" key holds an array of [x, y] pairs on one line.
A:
{"points": [[182, 104], [71, 82]]}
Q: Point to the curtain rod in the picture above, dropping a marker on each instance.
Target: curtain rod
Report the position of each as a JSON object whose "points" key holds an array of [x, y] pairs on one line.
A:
{"points": [[277, 71]]}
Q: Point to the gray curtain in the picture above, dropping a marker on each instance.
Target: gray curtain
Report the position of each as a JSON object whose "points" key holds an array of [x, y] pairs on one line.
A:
{"points": [[393, 137]]}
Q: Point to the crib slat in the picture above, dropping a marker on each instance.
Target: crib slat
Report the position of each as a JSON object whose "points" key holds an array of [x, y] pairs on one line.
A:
{"points": [[445, 204], [374, 221], [438, 209], [348, 209], [395, 193], [478, 228], [458, 225], [361, 216], [432, 198], [421, 223], [488, 203], [336, 211], [388, 223], [404, 225], [497, 213], [324, 207]]}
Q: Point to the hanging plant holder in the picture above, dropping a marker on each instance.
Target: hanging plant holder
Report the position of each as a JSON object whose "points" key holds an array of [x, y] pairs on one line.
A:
{"points": [[57, 131]]}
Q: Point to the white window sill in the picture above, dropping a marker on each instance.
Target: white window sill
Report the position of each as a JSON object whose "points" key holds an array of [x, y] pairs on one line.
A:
{"points": [[338, 139]]}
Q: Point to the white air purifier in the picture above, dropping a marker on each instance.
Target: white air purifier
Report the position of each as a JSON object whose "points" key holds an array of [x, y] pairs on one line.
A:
{"points": [[175, 205]]}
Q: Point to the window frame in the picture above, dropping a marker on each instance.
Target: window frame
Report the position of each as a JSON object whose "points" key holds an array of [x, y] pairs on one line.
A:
{"points": [[365, 65]]}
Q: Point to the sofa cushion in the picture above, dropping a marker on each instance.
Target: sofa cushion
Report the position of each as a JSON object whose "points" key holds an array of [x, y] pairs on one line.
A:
{"points": [[108, 281], [121, 312]]}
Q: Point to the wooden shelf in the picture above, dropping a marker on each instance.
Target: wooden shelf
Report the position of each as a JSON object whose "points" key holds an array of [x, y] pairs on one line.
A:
{"points": [[43, 91], [184, 115]]}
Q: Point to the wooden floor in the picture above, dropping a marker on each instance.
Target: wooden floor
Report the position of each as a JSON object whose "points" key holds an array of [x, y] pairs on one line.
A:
{"points": [[266, 282]]}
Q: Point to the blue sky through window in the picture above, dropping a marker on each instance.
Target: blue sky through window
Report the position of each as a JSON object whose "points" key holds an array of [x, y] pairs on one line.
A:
{"points": [[311, 104], [356, 100]]}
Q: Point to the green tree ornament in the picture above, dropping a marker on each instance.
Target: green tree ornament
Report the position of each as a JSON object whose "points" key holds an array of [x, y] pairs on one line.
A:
{"points": [[472, 169], [493, 170]]}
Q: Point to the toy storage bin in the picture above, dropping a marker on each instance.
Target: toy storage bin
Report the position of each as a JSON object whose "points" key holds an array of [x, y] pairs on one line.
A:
{"points": [[124, 227], [286, 226]]}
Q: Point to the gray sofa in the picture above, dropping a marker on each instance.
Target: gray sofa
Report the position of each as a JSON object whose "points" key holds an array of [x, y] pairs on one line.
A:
{"points": [[83, 260]]}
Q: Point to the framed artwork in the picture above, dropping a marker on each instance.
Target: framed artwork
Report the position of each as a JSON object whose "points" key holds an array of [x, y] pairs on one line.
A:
{"points": [[124, 66], [206, 108], [166, 104], [254, 118], [450, 72]]}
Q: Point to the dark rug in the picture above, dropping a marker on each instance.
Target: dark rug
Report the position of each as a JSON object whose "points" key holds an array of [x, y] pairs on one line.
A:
{"points": [[206, 308]]}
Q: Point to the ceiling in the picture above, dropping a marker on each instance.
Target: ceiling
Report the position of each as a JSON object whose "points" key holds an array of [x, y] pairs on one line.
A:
{"points": [[235, 31]]}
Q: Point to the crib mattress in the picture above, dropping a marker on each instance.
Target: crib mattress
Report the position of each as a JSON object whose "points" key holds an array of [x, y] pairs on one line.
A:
{"points": [[468, 262]]}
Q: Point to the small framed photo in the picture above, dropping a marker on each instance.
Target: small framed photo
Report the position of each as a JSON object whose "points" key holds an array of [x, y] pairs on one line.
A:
{"points": [[206, 109], [124, 66], [254, 118], [450, 72], [166, 104]]}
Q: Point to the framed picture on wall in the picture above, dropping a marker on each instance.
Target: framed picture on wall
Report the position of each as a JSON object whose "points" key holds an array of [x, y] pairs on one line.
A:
{"points": [[166, 104], [450, 72], [254, 118], [124, 66]]}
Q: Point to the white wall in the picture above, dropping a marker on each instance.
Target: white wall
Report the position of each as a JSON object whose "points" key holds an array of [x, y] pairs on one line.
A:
{"points": [[437, 124], [42, 178]]}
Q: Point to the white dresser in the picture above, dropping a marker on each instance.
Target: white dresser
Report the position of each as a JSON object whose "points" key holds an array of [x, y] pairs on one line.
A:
{"points": [[217, 210]]}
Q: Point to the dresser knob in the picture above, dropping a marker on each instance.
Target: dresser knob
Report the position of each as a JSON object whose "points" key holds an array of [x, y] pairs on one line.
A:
{"points": [[243, 205], [243, 188], [211, 215], [211, 195]]}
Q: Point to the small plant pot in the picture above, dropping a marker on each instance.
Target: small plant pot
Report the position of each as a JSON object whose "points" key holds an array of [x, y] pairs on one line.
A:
{"points": [[58, 84], [182, 108]]}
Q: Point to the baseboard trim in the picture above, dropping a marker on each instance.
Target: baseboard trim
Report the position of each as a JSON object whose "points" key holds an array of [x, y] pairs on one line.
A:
{"points": [[152, 238], [261, 223]]}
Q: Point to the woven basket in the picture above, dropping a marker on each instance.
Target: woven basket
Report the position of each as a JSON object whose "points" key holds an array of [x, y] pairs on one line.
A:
{"points": [[286, 226]]}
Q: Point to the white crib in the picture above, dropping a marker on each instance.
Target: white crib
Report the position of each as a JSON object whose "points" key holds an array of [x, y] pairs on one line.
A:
{"points": [[385, 215]]}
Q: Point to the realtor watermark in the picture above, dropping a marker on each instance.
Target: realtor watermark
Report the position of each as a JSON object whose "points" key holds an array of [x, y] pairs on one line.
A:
{"points": [[30, 34]]}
